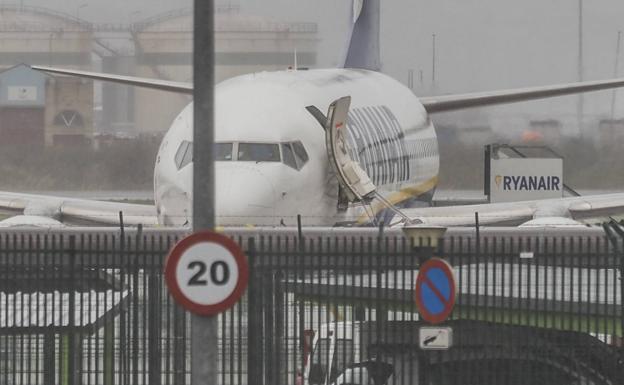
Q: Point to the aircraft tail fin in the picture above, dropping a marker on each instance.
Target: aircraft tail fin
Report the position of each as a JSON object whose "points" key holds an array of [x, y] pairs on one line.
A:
{"points": [[364, 47]]}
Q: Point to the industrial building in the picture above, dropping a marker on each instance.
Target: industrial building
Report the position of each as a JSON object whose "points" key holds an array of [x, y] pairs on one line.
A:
{"points": [[38, 109], [69, 111], [244, 44], [43, 36], [157, 47]]}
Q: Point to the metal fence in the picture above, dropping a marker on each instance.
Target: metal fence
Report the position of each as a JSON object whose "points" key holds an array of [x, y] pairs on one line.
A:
{"points": [[92, 308]]}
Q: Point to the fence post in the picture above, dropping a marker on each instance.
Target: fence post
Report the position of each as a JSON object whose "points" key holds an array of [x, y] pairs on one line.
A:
{"points": [[72, 353], [109, 351], [179, 344], [621, 253], [279, 337], [300, 267], [155, 314], [49, 354], [71, 343], [426, 251], [267, 308], [127, 246], [254, 326]]}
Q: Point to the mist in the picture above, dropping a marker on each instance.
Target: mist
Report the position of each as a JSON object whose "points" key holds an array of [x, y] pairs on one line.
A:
{"points": [[480, 45]]}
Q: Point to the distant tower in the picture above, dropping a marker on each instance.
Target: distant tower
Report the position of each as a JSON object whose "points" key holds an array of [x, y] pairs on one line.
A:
{"points": [[616, 68], [433, 64], [581, 101]]}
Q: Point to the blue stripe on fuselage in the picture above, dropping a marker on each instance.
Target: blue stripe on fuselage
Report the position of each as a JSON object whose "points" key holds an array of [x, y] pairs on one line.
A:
{"points": [[378, 144]]}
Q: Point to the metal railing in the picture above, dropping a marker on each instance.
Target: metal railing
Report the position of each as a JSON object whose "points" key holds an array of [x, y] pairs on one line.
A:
{"points": [[91, 308]]}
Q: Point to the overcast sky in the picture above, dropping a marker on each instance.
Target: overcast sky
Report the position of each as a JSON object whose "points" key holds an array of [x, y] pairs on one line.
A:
{"points": [[481, 44]]}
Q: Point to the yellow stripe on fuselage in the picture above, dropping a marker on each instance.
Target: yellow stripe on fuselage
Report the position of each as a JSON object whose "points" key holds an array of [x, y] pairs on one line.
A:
{"points": [[401, 196]]}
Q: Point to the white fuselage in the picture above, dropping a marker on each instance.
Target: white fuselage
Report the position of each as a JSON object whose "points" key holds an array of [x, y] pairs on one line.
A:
{"points": [[261, 123]]}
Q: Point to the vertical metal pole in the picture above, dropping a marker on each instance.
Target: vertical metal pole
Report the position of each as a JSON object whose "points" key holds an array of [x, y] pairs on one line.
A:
{"points": [[581, 100], [254, 322], [179, 345], [477, 234], [621, 255], [204, 332], [433, 62], [301, 311], [616, 67], [154, 328], [487, 162], [109, 351], [71, 335], [281, 342], [48, 358], [268, 306]]}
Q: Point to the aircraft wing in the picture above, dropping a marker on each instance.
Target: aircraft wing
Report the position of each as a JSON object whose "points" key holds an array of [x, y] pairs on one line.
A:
{"points": [[75, 210], [517, 213], [455, 102], [432, 103], [163, 85]]}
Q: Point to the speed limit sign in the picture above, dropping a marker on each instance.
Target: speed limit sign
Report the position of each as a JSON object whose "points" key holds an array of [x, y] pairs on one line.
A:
{"points": [[206, 273]]}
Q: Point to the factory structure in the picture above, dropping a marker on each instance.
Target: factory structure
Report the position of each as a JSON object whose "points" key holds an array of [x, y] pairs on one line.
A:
{"points": [[49, 110], [38, 109], [45, 110]]}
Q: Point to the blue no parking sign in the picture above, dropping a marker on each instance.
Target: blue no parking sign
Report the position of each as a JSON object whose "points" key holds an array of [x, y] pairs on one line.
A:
{"points": [[435, 290]]}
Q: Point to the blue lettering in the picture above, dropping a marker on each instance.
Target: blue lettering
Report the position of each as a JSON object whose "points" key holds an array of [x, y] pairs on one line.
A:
{"points": [[531, 183], [555, 183], [523, 183]]}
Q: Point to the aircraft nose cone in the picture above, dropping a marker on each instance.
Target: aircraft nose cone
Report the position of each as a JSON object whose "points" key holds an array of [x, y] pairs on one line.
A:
{"points": [[244, 196]]}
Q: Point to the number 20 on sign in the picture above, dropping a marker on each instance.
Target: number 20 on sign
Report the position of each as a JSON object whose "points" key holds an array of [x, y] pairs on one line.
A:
{"points": [[206, 273]]}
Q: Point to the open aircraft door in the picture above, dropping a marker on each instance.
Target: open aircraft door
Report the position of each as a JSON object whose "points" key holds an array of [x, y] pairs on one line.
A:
{"points": [[355, 182]]}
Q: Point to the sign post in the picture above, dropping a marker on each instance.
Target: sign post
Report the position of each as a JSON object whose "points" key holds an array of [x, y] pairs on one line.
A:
{"points": [[435, 338], [435, 290], [435, 295], [206, 273], [204, 330]]}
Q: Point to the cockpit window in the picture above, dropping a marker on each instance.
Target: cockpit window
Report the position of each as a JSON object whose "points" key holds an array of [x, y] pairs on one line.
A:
{"points": [[258, 152], [223, 151], [301, 154], [188, 155], [288, 156], [184, 155], [293, 154]]}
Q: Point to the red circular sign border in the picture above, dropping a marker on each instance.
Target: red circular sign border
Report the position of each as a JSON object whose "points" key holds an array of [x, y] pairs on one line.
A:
{"points": [[448, 271], [174, 258]]}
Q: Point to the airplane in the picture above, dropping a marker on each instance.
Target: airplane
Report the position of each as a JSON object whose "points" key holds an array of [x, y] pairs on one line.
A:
{"points": [[344, 146]]}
